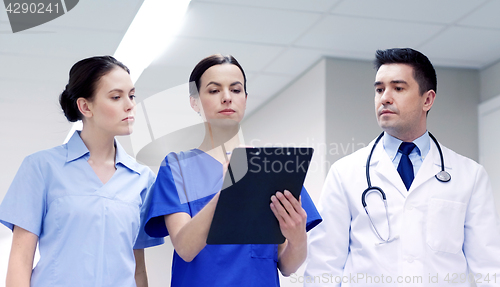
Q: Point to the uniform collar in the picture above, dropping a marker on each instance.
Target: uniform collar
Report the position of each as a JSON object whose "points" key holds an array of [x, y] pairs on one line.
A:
{"points": [[391, 145], [77, 149]]}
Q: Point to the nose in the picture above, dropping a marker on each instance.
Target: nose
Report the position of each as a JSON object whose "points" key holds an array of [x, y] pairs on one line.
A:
{"points": [[129, 104], [226, 97], [386, 97]]}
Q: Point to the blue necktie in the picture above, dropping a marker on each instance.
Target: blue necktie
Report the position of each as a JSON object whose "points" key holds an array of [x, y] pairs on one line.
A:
{"points": [[405, 167]]}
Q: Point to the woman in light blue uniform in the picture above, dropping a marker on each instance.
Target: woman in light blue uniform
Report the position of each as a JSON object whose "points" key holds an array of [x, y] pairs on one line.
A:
{"points": [[187, 189], [83, 202]]}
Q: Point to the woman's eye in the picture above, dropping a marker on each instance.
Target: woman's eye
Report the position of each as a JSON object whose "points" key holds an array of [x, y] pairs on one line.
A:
{"points": [[132, 97], [399, 89], [115, 97], [236, 91], [213, 91], [378, 91]]}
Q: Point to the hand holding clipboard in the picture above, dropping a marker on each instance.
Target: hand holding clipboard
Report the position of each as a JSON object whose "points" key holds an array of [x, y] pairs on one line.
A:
{"points": [[243, 214]]}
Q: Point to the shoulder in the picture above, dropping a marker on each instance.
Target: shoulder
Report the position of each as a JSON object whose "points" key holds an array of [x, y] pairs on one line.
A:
{"points": [[181, 157], [455, 160], [142, 169], [48, 156], [357, 158]]}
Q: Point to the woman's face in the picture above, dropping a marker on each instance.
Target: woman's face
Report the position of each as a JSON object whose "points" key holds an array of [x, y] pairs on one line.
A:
{"points": [[113, 106], [221, 95]]}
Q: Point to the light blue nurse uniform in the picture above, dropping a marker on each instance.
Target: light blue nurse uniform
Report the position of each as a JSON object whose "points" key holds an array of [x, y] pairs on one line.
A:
{"points": [[87, 231]]}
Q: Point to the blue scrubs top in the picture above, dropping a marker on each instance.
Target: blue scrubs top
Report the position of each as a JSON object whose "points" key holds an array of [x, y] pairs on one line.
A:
{"points": [[186, 182], [86, 230]]}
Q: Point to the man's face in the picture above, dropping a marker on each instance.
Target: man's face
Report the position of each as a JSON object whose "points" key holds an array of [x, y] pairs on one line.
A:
{"points": [[400, 109]]}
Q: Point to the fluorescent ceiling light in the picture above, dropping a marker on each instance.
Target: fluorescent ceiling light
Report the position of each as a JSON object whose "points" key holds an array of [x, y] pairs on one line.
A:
{"points": [[152, 30]]}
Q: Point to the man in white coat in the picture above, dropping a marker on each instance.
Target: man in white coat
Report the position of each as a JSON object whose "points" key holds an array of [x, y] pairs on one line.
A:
{"points": [[431, 230]]}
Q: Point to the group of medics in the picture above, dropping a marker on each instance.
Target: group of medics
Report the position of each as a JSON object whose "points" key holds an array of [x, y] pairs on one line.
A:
{"points": [[403, 211]]}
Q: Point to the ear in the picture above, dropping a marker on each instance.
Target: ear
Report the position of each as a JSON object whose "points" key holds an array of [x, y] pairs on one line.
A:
{"points": [[429, 96], [195, 102], [85, 107]]}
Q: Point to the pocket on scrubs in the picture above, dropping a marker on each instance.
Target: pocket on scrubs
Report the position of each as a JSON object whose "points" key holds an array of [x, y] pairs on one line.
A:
{"points": [[265, 251], [445, 225]]}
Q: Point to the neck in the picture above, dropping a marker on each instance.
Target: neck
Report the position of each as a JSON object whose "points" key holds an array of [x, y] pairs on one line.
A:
{"points": [[100, 145], [220, 140], [408, 136]]}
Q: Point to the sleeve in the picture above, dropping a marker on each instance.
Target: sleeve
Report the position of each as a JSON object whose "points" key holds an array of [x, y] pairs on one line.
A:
{"points": [[329, 242], [164, 198], [24, 204], [313, 217], [143, 239], [482, 233]]}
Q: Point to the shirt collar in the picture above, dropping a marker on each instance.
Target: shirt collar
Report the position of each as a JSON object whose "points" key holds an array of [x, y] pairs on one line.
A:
{"points": [[77, 149], [391, 145], [125, 159]]}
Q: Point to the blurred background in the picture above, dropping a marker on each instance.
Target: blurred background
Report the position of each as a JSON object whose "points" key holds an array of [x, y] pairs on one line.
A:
{"points": [[308, 65]]}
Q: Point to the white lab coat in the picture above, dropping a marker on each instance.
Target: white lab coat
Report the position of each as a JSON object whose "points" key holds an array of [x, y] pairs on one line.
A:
{"points": [[439, 228]]}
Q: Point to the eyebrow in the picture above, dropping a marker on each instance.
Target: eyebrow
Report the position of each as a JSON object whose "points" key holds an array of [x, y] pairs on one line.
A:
{"points": [[121, 91], [217, 84], [378, 83]]}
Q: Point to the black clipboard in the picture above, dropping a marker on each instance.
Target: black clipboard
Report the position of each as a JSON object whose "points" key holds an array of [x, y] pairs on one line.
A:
{"points": [[243, 214]]}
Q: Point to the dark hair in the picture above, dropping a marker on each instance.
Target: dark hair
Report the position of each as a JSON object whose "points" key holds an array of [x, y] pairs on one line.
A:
{"points": [[423, 71], [205, 64], [83, 79]]}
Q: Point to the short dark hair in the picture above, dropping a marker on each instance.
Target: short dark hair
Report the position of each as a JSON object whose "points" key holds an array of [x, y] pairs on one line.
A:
{"points": [[83, 79], [205, 64], [423, 71]]}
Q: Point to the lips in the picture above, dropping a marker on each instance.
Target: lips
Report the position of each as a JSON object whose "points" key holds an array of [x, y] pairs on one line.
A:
{"points": [[385, 112], [127, 119], [227, 111]]}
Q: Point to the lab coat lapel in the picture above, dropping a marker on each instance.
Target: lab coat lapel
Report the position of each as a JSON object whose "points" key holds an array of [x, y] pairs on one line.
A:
{"points": [[385, 168], [429, 168]]}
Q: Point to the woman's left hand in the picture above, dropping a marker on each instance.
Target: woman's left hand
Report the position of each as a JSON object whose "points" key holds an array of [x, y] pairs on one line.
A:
{"points": [[291, 216]]}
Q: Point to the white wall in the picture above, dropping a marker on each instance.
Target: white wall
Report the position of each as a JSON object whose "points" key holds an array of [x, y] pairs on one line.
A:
{"points": [[490, 84], [489, 120], [489, 137], [350, 112]]}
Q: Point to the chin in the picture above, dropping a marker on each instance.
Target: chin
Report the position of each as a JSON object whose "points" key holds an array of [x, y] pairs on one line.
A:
{"points": [[224, 122], [125, 132], [386, 126]]}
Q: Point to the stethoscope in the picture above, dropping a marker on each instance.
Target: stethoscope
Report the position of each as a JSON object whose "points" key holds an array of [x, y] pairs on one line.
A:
{"points": [[442, 176]]}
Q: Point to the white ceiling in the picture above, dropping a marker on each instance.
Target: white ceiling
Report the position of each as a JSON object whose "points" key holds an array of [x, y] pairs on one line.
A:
{"points": [[274, 40]]}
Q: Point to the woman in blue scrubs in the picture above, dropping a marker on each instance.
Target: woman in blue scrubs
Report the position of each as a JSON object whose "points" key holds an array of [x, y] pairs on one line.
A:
{"points": [[187, 189], [83, 201]]}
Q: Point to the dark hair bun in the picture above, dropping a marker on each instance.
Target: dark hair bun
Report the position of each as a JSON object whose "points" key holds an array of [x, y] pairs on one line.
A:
{"points": [[69, 106]]}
